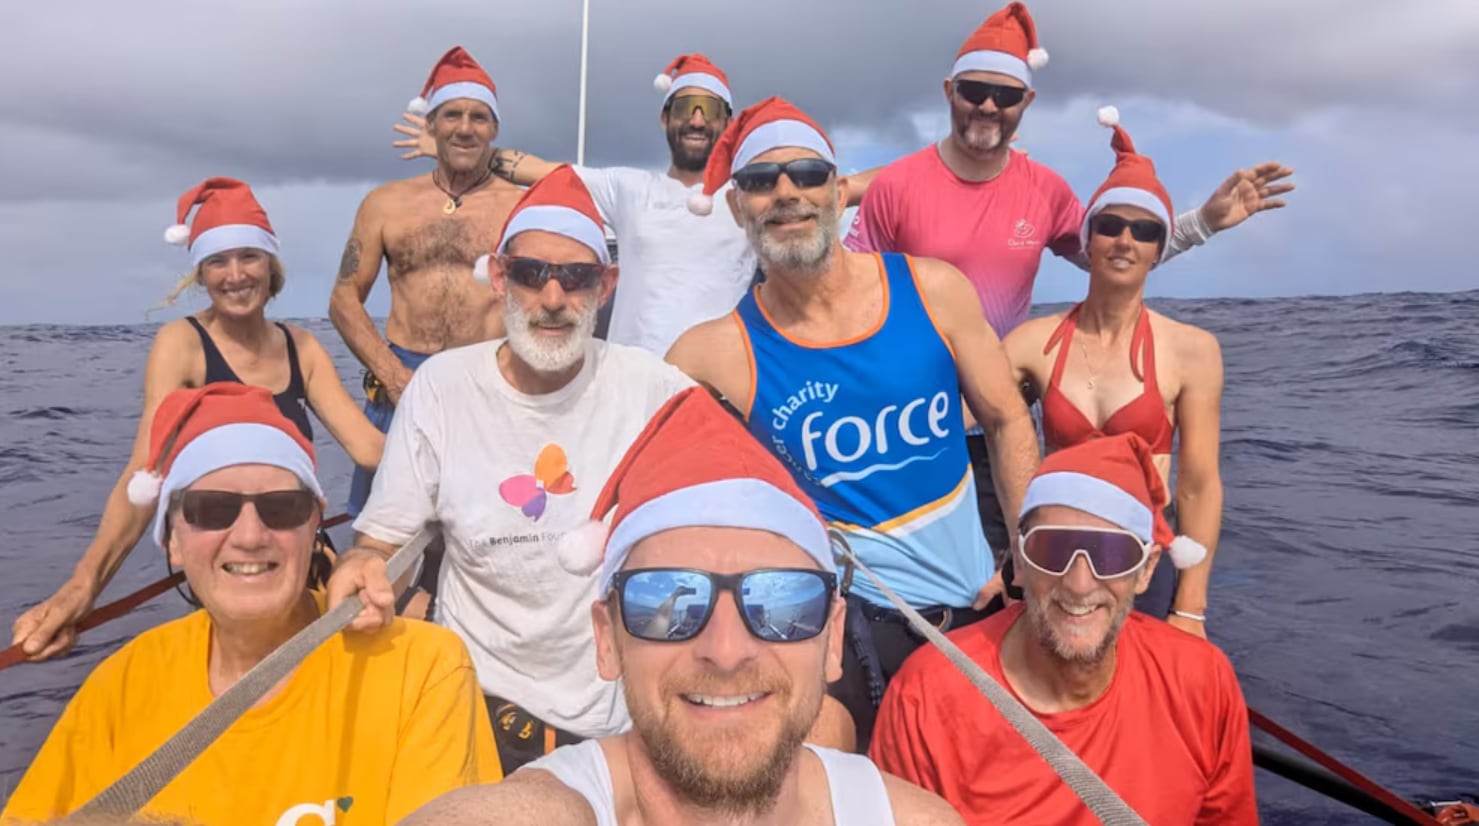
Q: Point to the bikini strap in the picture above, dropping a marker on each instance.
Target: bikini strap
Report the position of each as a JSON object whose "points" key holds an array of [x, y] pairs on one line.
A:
{"points": [[1142, 350], [1063, 334]]}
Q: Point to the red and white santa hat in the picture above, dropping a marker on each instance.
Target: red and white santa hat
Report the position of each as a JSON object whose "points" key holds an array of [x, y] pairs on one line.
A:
{"points": [[558, 203], [693, 465], [456, 75], [1132, 182], [229, 217], [693, 70], [770, 124], [1005, 43], [1115, 479], [199, 430]]}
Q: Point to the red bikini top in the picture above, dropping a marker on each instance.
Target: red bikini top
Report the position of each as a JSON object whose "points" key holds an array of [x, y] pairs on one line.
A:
{"points": [[1064, 425]]}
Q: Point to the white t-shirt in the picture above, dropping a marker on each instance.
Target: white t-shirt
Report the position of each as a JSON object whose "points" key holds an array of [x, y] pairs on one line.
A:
{"points": [[678, 269], [463, 450]]}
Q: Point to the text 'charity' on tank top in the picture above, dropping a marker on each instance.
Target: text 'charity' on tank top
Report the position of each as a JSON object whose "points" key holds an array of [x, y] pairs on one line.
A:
{"points": [[292, 401], [872, 430], [1064, 425]]}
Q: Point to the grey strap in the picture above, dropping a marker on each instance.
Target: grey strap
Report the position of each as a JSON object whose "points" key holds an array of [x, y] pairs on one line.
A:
{"points": [[134, 790], [1101, 800]]}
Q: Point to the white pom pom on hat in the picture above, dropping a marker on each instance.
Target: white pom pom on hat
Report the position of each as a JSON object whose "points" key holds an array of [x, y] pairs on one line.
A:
{"points": [[700, 204], [178, 235], [144, 487], [480, 269], [1037, 58], [581, 550], [1109, 116], [662, 82], [418, 106], [1186, 552]]}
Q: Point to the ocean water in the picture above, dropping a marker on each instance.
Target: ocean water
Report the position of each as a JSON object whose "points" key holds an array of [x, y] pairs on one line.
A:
{"points": [[1345, 583]]}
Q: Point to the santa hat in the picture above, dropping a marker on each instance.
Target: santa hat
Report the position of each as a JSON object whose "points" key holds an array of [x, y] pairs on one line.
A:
{"points": [[456, 75], [1115, 479], [1006, 43], [693, 466], [770, 124], [693, 70], [558, 203], [229, 217], [1132, 182], [199, 430]]}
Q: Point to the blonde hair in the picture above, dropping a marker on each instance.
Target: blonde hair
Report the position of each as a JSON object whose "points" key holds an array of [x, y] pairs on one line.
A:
{"points": [[276, 279]]}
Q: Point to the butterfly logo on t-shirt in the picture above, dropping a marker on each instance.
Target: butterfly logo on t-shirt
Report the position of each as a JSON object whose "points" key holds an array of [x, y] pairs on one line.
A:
{"points": [[530, 492]]}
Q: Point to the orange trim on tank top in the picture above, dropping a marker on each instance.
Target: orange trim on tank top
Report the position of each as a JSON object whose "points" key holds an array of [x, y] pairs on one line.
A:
{"points": [[750, 357], [826, 345]]}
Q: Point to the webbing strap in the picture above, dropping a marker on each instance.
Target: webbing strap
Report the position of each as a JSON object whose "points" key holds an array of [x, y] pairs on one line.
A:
{"points": [[131, 792], [1101, 800]]}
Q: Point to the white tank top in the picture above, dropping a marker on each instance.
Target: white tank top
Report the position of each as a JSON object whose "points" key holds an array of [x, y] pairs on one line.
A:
{"points": [[859, 797]]}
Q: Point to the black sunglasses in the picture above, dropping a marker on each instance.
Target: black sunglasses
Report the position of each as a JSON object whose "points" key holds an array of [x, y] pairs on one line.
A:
{"points": [[217, 510], [1144, 230], [534, 274], [977, 92], [675, 604], [803, 172]]}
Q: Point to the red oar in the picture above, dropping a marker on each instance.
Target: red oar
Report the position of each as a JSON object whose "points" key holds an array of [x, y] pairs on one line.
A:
{"points": [[123, 605]]}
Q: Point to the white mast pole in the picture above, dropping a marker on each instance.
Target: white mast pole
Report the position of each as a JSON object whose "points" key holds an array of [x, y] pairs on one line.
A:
{"points": [[585, 32]]}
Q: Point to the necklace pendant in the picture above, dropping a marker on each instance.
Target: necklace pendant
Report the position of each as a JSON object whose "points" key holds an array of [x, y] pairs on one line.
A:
{"points": [[450, 207], [1091, 384]]}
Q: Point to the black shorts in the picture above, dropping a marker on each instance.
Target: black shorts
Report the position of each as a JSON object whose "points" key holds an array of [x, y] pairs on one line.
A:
{"points": [[521, 737]]}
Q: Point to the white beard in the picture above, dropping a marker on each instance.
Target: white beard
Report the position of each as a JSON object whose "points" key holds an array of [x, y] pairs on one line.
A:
{"points": [[541, 353]]}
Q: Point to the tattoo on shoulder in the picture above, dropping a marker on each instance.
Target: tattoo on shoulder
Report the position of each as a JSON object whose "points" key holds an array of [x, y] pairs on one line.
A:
{"points": [[349, 264]]}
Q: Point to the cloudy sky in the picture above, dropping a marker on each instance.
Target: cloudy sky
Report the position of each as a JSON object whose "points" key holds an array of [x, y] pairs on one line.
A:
{"points": [[114, 109]]}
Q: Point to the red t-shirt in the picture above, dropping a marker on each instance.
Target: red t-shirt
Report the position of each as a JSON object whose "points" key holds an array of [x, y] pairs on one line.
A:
{"points": [[1170, 736], [993, 231]]}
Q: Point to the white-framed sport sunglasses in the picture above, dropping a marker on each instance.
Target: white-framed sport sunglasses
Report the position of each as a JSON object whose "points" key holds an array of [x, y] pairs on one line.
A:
{"points": [[1110, 552]]}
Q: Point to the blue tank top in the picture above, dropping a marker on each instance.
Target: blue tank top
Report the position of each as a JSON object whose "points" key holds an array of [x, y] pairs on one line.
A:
{"points": [[873, 432]]}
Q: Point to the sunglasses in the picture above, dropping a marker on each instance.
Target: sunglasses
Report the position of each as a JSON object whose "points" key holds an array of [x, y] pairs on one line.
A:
{"points": [[534, 274], [976, 92], [675, 604], [217, 510], [682, 108], [1144, 230], [1111, 553], [805, 173]]}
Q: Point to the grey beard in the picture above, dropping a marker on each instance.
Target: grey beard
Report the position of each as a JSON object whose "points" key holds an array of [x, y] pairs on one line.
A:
{"points": [[1059, 648], [810, 255], [545, 357]]}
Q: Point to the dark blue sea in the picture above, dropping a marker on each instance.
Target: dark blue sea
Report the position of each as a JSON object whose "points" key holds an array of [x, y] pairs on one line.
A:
{"points": [[1346, 588]]}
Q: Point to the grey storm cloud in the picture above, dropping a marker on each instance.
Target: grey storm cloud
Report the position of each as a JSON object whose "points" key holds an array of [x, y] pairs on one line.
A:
{"points": [[110, 100]]}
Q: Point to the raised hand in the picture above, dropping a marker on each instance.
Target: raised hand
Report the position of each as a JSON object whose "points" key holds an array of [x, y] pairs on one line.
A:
{"points": [[419, 143], [1245, 193]]}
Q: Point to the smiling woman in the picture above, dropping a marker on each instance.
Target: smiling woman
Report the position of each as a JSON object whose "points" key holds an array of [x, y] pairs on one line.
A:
{"points": [[233, 256]]}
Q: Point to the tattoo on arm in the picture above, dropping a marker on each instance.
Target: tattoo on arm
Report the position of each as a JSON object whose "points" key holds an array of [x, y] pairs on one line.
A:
{"points": [[349, 264], [505, 161]]}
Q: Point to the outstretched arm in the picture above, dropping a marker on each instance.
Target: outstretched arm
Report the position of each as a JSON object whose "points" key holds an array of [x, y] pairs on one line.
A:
{"points": [[512, 165], [858, 183], [50, 628], [358, 269], [1245, 193], [1199, 482]]}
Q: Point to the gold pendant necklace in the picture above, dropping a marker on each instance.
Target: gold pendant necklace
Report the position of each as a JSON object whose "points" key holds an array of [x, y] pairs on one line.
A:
{"points": [[1093, 371]]}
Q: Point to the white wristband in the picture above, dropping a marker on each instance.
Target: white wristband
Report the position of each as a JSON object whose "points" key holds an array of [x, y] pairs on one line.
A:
{"points": [[1190, 616]]}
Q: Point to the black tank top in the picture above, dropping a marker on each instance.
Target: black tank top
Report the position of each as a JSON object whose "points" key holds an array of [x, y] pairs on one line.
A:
{"points": [[292, 401]]}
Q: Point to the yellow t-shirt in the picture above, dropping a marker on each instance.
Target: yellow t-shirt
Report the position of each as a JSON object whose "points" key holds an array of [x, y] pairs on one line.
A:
{"points": [[368, 729]]}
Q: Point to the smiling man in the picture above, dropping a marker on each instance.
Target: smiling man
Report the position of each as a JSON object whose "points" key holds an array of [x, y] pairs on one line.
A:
{"points": [[428, 231], [1154, 711], [505, 443], [718, 612], [851, 369]]}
